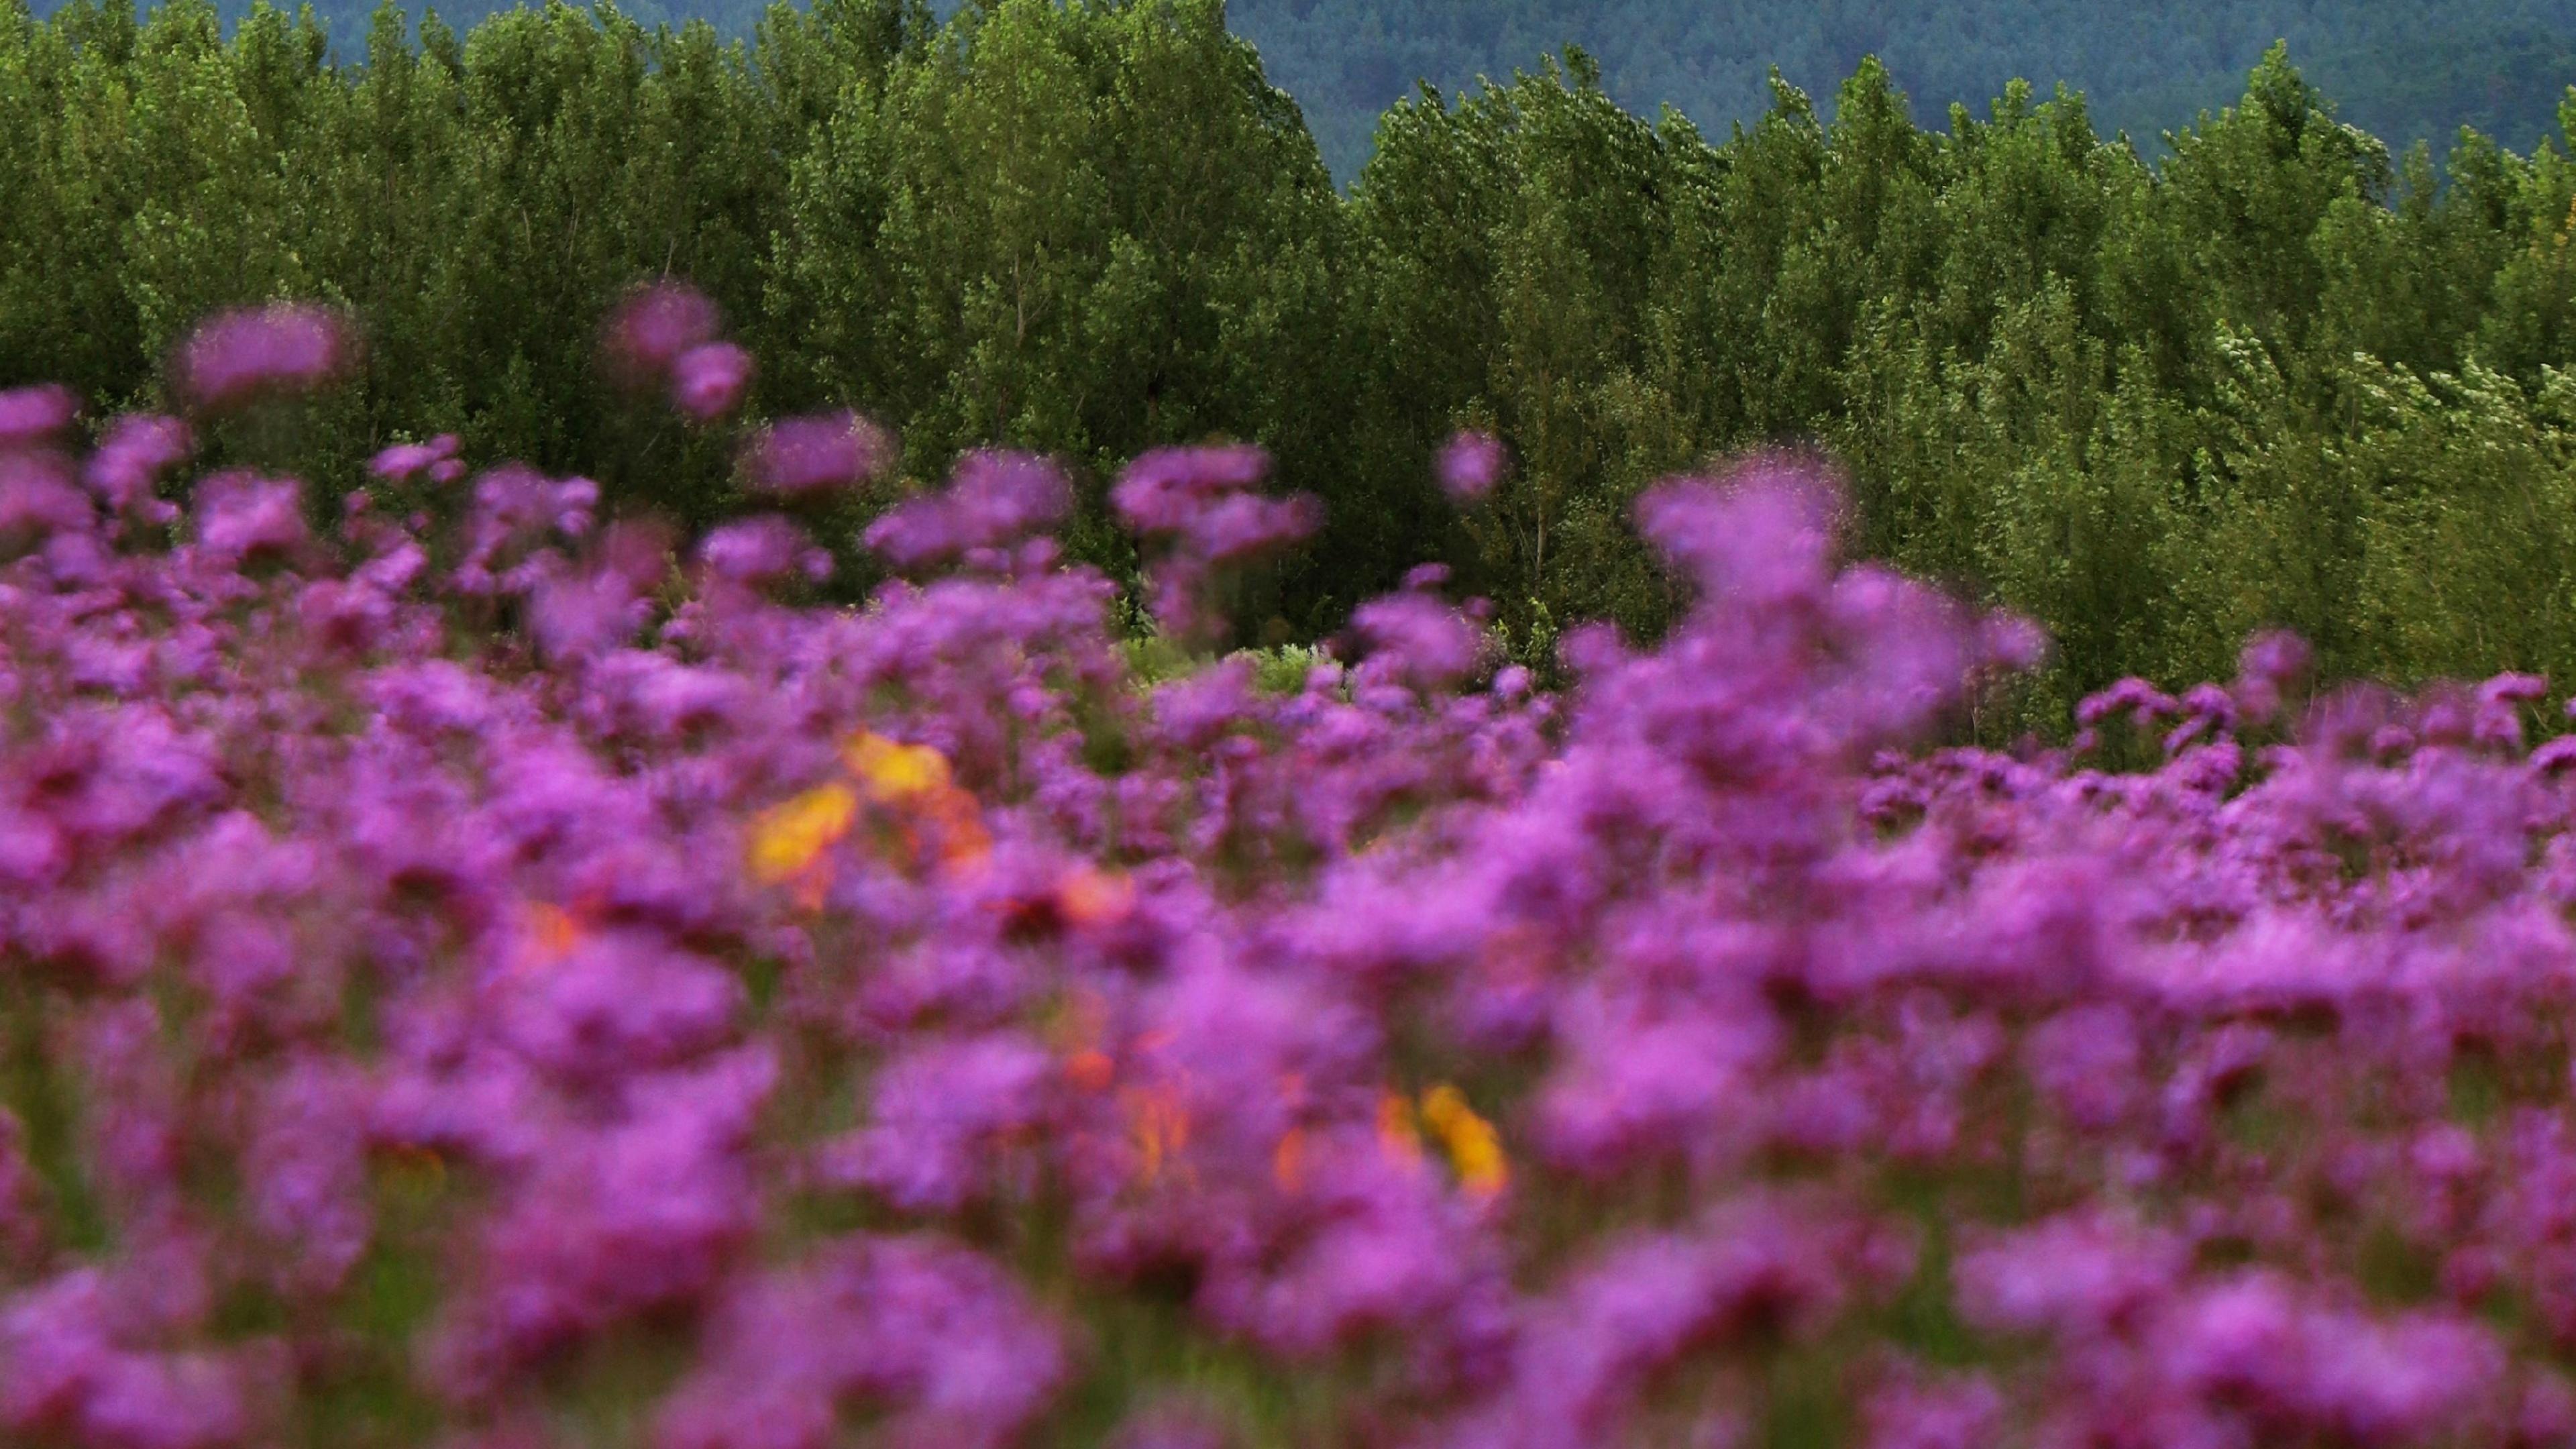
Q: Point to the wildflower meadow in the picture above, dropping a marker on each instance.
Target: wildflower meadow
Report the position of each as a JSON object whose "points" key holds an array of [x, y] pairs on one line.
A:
{"points": [[480, 971]]}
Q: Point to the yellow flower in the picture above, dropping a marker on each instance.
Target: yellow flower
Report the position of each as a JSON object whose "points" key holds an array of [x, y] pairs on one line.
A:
{"points": [[895, 772], [1475, 1152], [787, 839]]}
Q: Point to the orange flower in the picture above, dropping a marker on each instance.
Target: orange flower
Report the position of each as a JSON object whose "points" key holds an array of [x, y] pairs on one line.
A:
{"points": [[1288, 1160], [963, 840], [1159, 1125], [1475, 1150], [1090, 1070], [1089, 896], [1396, 1130], [552, 933]]}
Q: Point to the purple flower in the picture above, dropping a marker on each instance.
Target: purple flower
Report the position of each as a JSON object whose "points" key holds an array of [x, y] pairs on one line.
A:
{"points": [[68, 1374], [281, 348], [652, 329], [35, 416], [818, 455], [242, 516], [306, 1173], [437, 458], [2077, 1275], [137, 450], [618, 1003], [1471, 465], [1166, 490], [1965, 1414], [609, 1223], [994, 500], [1761, 539], [1197, 499], [1419, 640], [38, 496], [941, 1114], [599, 606], [707, 381], [938, 1342], [758, 550], [2272, 666]]}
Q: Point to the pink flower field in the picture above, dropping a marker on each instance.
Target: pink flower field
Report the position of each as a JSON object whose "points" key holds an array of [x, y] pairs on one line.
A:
{"points": [[494, 975]]}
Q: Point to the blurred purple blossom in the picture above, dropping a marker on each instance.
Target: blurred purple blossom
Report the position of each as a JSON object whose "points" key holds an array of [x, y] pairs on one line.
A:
{"points": [[818, 455], [436, 458], [136, 451], [995, 500], [1471, 464], [35, 416], [657, 324], [707, 381], [282, 348]]}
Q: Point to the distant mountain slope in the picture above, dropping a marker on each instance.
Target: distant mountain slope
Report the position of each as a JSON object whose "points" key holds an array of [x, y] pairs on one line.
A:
{"points": [[2401, 69]]}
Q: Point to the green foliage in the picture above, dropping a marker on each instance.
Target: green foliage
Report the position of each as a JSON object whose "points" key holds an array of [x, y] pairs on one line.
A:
{"points": [[2272, 375]]}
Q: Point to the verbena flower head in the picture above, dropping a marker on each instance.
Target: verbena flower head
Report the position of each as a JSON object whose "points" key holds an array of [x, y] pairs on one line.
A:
{"points": [[652, 328], [819, 455], [136, 451], [35, 416], [1471, 465], [436, 459], [995, 500], [1197, 504], [284, 348], [707, 382]]}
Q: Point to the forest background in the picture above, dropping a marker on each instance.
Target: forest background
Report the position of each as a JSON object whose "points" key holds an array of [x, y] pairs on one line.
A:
{"points": [[2155, 388]]}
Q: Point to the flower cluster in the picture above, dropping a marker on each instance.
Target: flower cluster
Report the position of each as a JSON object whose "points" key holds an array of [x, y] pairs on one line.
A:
{"points": [[665, 338], [674, 1016]]}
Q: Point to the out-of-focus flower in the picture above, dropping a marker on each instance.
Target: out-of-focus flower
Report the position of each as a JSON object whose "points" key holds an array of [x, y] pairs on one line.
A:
{"points": [[503, 983], [707, 381], [941, 1117], [136, 451], [1471, 464], [937, 1341], [759, 550], [787, 839], [1475, 1150], [436, 458], [38, 495], [818, 455], [35, 416], [995, 500], [650, 331], [241, 516], [1197, 500], [283, 348]]}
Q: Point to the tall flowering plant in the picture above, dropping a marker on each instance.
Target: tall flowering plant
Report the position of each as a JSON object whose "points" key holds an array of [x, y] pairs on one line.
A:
{"points": [[688, 1019]]}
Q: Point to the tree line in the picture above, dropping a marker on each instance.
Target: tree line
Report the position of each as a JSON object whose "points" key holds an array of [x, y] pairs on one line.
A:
{"points": [[2405, 69], [2277, 375]]}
